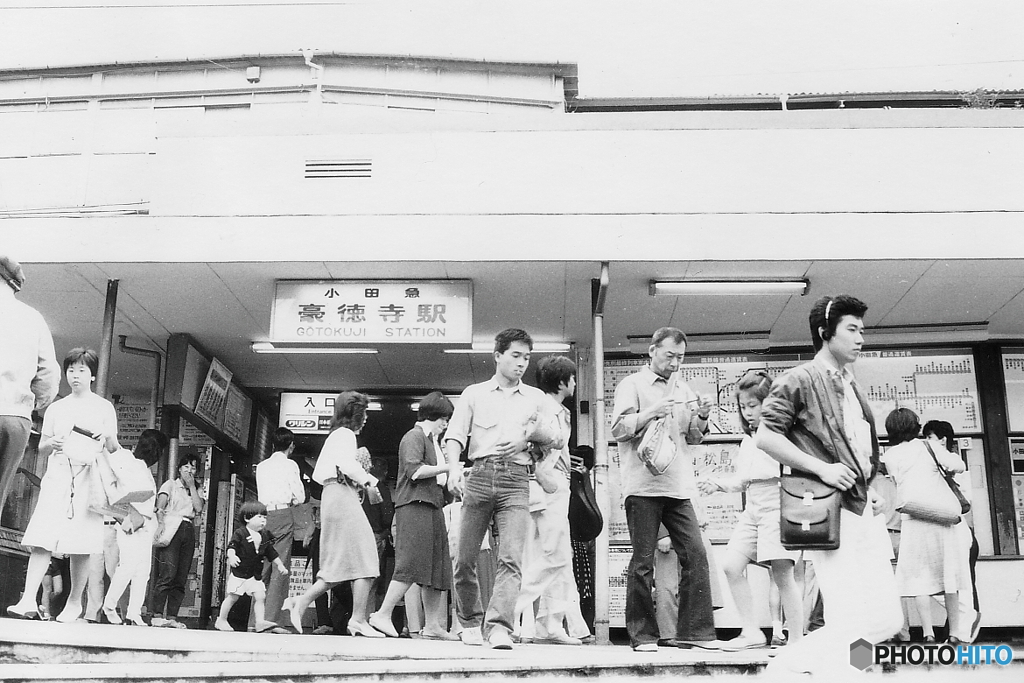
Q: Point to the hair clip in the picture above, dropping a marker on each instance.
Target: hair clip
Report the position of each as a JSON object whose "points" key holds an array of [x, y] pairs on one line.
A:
{"points": [[828, 308]]}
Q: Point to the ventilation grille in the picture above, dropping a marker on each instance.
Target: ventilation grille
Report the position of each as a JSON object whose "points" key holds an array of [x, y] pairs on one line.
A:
{"points": [[343, 168]]}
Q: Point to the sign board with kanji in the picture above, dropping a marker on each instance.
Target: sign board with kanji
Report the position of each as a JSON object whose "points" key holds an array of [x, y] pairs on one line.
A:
{"points": [[373, 311], [307, 412]]}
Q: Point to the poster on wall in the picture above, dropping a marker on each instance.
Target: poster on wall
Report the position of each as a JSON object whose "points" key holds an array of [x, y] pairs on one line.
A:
{"points": [[132, 419], [937, 384], [618, 566], [1013, 376], [214, 392], [718, 512]]}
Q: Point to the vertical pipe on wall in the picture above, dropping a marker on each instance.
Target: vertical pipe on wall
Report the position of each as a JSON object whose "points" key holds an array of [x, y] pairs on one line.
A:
{"points": [[601, 490], [107, 339]]}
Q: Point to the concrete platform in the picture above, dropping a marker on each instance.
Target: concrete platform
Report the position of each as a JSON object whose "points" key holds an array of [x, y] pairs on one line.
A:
{"points": [[48, 651]]}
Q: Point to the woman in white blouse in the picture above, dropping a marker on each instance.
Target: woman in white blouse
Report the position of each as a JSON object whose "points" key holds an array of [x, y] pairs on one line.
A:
{"points": [[348, 549]]}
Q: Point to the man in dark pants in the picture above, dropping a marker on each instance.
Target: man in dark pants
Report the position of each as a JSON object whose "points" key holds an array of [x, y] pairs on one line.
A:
{"points": [[654, 499]]}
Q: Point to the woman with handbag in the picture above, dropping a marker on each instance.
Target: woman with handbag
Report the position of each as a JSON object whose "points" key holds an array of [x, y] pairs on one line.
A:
{"points": [[177, 504], [930, 560], [78, 431], [348, 547]]}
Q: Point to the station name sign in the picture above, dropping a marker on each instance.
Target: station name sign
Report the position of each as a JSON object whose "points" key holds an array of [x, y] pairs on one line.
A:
{"points": [[373, 311]]}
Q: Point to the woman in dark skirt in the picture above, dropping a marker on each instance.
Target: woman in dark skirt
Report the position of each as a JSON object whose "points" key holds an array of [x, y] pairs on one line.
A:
{"points": [[421, 540]]}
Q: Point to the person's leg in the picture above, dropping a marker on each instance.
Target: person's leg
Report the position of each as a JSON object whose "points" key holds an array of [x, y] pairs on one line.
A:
{"points": [[666, 592], [14, 436], [477, 507], [952, 602], [280, 525], [924, 613], [414, 609], [38, 563], [79, 577], [94, 588], [297, 606], [696, 613], [259, 607], [225, 607], [396, 591], [123, 574], [735, 568], [512, 519], [186, 551], [858, 589], [435, 617], [47, 596], [167, 570], [790, 597], [643, 515], [141, 551], [360, 598]]}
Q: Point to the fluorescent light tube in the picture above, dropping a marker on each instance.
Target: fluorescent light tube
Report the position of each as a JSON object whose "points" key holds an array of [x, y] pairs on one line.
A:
{"points": [[280, 347], [728, 287]]}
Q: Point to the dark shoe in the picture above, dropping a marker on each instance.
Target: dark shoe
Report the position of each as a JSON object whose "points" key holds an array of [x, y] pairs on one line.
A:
{"points": [[700, 644]]}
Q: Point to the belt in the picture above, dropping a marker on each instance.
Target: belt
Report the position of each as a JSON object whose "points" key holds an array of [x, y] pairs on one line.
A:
{"points": [[275, 508]]}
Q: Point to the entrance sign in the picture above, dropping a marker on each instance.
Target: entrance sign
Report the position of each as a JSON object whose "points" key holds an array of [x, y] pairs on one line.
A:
{"points": [[306, 412], [373, 311]]}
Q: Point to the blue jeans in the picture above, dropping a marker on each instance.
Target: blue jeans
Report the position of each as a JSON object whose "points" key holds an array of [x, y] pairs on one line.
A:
{"points": [[495, 489], [696, 620]]}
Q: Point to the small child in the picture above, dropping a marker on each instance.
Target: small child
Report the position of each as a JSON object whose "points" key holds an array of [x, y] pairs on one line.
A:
{"points": [[756, 537], [246, 551]]}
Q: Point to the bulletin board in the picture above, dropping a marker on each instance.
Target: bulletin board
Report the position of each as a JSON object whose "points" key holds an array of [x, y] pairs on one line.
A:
{"points": [[1013, 376]]}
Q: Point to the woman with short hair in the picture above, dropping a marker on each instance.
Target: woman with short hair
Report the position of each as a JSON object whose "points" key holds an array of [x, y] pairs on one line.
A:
{"points": [[421, 540]]}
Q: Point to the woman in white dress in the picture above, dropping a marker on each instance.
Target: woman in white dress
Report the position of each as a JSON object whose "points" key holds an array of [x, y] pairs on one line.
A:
{"points": [[930, 561], [78, 432]]}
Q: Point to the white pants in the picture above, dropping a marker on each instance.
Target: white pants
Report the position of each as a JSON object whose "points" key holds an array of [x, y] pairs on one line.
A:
{"points": [[859, 591], [547, 573], [133, 567], [966, 594]]}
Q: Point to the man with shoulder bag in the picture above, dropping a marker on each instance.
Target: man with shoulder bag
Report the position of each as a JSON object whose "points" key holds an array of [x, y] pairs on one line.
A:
{"points": [[817, 422]]}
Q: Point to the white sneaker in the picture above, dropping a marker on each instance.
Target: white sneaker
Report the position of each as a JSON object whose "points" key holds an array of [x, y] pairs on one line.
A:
{"points": [[646, 647], [159, 621], [499, 639], [471, 636]]}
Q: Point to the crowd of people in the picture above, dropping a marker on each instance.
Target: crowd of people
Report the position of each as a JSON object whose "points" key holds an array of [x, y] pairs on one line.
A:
{"points": [[502, 453]]}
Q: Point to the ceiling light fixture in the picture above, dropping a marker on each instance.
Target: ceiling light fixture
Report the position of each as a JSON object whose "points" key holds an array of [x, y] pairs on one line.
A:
{"points": [[538, 347], [292, 347], [715, 342], [728, 287], [914, 334]]}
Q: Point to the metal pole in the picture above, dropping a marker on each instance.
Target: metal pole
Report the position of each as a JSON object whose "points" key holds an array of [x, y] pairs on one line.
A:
{"points": [[601, 490], [107, 340]]}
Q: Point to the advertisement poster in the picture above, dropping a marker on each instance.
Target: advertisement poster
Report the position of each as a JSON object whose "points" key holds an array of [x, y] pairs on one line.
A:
{"points": [[214, 393]]}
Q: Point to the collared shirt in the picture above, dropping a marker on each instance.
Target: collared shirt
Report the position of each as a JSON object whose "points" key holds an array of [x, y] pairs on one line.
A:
{"points": [[179, 500], [487, 415], [634, 394], [560, 419], [278, 482], [806, 405], [29, 373], [339, 455]]}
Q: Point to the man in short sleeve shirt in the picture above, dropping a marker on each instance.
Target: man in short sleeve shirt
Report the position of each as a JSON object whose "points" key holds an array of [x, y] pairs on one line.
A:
{"points": [[655, 499], [496, 419]]}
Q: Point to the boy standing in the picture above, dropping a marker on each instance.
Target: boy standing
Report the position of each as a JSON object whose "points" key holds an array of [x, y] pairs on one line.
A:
{"points": [[246, 552]]}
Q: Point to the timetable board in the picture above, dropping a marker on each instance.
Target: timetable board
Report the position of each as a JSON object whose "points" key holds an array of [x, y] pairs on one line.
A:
{"points": [[937, 384], [1013, 376]]}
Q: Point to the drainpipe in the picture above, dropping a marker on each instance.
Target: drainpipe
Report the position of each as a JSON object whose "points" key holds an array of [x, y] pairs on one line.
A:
{"points": [[317, 71], [154, 396], [601, 490], [107, 339]]}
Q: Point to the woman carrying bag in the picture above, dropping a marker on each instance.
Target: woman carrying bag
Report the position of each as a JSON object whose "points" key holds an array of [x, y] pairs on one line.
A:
{"points": [[930, 561]]}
